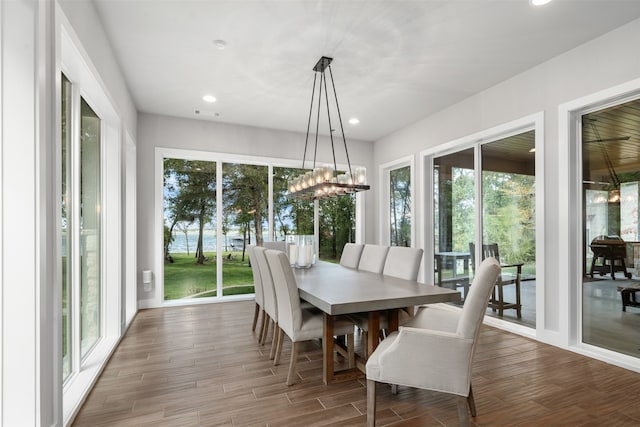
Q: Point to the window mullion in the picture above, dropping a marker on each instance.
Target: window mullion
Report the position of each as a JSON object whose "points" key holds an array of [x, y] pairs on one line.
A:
{"points": [[220, 216], [74, 235]]}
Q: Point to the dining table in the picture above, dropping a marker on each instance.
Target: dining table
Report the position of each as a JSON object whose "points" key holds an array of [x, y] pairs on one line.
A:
{"points": [[338, 290]]}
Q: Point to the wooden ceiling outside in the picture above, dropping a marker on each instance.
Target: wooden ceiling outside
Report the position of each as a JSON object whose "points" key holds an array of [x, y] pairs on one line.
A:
{"points": [[601, 133]]}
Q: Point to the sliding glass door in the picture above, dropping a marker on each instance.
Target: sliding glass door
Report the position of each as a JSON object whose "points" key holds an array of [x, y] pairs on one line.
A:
{"points": [[454, 218], [190, 232], [212, 210], [80, 228], [611, 235], [502, 172]]}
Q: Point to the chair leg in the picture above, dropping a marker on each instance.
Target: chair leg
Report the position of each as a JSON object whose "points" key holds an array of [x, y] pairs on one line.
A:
{"points": [[256, 311], [463, 411], [471, 402], [265, 328], [394, 389], [292, 364], [274, 340], [264, 316], [371, 403], [276, 358], [493, 298], [518, 304], [500, 301]]}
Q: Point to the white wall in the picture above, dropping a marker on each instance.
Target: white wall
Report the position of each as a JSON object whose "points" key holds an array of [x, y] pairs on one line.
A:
{"points": [[604, 62], [86, 23], [170, 132], [28, 374]]}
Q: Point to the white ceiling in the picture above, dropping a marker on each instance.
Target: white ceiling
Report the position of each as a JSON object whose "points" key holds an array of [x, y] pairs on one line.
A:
{"points": [[395, 62]]}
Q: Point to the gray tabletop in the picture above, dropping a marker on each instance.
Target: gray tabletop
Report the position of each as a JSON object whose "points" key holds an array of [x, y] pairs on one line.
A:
{"points": [[339, 290]]}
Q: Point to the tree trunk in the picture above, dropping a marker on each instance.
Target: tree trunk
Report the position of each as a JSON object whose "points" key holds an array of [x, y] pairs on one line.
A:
{"points": [[200, 250]]}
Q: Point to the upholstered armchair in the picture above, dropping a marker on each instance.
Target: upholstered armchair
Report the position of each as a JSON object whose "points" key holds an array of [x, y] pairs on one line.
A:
{"points": [[435, 350]]}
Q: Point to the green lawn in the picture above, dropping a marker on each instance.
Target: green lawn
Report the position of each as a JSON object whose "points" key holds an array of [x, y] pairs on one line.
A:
{"points": [[184, 277]]}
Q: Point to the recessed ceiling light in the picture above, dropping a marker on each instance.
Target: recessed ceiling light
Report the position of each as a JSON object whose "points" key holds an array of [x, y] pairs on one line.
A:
{"points": [[209, 98], [539, 2], [354, 121], [220, 44]]}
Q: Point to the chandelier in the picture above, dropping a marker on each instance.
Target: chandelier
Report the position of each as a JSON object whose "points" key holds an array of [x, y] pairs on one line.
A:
{"points": [[326, 181]]}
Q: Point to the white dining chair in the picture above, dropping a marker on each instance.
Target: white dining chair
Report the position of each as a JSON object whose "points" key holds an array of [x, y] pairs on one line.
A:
{"points": [[402, 262], [257, 285], [298, 324], [270, 304], [435, 350], [373, 258], [351, 255]]}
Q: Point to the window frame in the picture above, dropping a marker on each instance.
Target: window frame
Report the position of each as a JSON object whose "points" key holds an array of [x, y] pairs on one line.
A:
{"points": [[476, 140], [385, 170], [85, 83], [156, 294], [571, 223]]}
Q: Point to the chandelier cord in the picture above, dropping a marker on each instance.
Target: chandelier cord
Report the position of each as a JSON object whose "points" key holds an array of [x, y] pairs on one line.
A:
{"points": [[344, 140], [306, 141], [325, 181], [326, 96], [318, 119]]}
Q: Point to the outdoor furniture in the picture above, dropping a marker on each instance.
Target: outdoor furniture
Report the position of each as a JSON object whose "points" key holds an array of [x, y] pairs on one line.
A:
{"points": [[454, 281], [435, 350], [628, 295], [610, 251]]}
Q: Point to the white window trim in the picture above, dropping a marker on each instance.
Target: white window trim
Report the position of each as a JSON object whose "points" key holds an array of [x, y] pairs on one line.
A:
{"points": [[570, 219], [156, 295], [76, 65], [534, 121]]}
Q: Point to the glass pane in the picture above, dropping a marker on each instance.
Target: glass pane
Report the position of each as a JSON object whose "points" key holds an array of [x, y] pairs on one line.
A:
{"points": [[400, 206], [190, 234], [90, 241], [337, 226], [611, 234], [65, 159], [508, 221], [291, 216], [244, 222], [454, 218]]}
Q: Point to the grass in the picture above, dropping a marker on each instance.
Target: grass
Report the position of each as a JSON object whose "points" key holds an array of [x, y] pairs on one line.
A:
{"points": [[184, 278]]}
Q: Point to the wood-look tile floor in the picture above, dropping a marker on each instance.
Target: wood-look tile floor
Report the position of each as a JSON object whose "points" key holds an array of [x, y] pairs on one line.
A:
{"points": [[201, 366]]}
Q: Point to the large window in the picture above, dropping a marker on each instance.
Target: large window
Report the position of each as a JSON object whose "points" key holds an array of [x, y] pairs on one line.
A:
{"points": [[337, 225], [80, 228], [610, 211], [454, 218], [397, 202], [502, 171], [214, 206], [190, 237], [400, 206], [89, 228]]}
